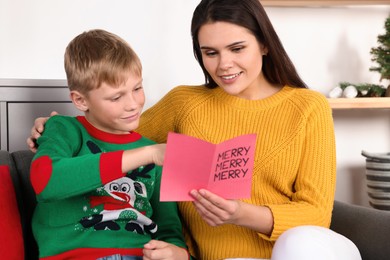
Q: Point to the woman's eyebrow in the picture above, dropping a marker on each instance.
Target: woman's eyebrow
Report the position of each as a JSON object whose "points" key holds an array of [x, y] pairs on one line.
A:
{"points": [[228, 46], [235, 43]]}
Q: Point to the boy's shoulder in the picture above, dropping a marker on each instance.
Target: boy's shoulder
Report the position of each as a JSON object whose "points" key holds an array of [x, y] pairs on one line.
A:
{"points": [[61, 118], [63, 124]]}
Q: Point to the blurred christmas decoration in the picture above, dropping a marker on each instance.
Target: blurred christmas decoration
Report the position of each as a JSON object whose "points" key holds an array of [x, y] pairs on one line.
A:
{"points": [[366, 89], [381, 54], [336, 92], [351, 90]]}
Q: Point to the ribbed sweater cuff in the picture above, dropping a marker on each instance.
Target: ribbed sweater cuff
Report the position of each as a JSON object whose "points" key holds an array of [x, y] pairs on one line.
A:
{"points": [[111, 166]]}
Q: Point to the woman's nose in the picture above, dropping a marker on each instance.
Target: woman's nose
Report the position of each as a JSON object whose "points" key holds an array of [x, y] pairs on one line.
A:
{"points": [[225, 62]]}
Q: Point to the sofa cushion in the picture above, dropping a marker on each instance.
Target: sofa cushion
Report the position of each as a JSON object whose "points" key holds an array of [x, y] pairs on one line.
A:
{"points": [[11, 235], [368, 228]]}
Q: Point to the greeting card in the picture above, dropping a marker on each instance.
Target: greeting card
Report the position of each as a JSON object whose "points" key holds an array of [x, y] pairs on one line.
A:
{"points": [[191, 163]]}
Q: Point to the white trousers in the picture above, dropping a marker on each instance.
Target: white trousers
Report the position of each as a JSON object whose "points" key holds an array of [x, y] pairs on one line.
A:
{"points": [[313, 242]]}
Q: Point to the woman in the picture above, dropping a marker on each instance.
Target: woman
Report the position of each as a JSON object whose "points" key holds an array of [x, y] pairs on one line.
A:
{"points": [[252, 87]]}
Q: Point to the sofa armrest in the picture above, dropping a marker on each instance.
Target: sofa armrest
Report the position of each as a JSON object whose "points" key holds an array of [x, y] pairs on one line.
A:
{"points": [[368, 228], [6, 159], [22, 161], [19, 167]]}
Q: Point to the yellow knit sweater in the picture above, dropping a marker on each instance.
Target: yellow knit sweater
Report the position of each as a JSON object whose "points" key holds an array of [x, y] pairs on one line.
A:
{"points": [[294, 169]]}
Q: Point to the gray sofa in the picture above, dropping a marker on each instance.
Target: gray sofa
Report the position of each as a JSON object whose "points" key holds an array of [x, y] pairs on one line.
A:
{"points": [[368, 228]]}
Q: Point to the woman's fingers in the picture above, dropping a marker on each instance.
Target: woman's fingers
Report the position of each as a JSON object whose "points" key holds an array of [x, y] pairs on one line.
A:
{"points": [[214, 209]]}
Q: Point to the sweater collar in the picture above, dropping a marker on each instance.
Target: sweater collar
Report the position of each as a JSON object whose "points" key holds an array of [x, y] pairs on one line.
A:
{"points": [[246, 104], [108, 137]]}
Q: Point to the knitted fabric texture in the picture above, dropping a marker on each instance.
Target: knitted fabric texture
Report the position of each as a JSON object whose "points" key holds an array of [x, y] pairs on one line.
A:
{"points": [[295, 160], [87, 207]]}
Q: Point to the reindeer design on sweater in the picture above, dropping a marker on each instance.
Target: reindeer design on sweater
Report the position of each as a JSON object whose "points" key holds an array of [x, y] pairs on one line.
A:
{"points": [[119, 203]]}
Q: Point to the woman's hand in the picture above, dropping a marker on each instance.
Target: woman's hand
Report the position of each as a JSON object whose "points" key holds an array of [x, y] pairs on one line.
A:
{"points": [[217, 211], [36, 131], [156, 249], [214, 209]]}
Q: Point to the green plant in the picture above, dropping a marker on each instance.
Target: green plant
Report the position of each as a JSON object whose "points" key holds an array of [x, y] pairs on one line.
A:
{"points": [[366, 89], [381, 54]]}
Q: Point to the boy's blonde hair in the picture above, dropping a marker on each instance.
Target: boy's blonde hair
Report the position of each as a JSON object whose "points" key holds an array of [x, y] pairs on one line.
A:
{"points": [[98, 56]]}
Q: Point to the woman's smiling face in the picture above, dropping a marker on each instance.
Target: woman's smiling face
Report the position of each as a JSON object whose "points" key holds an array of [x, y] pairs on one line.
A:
{"points": [[233, 57]]}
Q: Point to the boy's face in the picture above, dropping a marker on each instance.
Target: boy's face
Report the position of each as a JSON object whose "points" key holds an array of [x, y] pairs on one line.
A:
{"points": [[116, 109]]}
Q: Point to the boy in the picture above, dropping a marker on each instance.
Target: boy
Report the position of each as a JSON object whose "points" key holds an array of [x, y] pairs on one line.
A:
{"points": [[97, 181]]}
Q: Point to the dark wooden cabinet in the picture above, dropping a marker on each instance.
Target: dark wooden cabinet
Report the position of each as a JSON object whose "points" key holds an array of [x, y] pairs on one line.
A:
{"points": [[23, 100]]}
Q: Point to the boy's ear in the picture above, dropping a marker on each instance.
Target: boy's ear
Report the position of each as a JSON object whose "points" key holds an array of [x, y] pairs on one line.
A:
{"points": [[79, 100]]}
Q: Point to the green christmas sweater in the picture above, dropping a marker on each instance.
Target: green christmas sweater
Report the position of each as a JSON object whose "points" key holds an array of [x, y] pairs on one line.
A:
{"points": [[87, 207]]}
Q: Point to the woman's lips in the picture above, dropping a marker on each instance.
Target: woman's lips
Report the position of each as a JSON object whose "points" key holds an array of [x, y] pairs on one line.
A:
{"points": [[230, 78]]}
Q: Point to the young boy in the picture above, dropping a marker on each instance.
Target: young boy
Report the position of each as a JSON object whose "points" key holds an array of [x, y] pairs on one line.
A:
{"points": [[97, 181]]}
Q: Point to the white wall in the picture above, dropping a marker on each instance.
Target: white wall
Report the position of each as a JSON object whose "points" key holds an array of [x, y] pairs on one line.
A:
{"points": [[331, 45], [328, 45]]}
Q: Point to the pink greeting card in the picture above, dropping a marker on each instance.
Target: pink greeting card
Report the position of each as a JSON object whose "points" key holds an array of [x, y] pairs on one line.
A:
{"points": [[191, 163]]}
